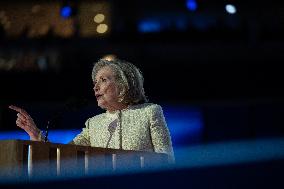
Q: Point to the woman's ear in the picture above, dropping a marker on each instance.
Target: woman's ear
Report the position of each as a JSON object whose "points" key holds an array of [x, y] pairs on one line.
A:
{"points": [[121, 94]]}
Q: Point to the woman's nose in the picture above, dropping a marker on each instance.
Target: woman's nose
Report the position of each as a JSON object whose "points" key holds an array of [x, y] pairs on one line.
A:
{"points": [[96, 88]]}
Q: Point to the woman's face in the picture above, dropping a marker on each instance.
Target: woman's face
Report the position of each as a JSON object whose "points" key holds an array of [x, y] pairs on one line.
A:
{"points": [[106, 89]]}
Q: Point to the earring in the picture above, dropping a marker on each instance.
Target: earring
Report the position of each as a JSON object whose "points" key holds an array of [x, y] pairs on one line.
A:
{"points": [[120, 99]]}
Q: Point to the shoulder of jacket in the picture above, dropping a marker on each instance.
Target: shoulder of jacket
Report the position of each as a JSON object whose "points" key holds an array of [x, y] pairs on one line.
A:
{"points": [[151, 107]]}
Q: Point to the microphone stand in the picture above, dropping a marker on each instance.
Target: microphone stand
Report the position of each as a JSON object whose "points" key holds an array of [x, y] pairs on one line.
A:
{"points": [[49, 124], [72, 104], [46, 131]]}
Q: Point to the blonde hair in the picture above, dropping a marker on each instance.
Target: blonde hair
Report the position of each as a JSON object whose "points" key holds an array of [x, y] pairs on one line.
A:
{"points": [[128, 77]]}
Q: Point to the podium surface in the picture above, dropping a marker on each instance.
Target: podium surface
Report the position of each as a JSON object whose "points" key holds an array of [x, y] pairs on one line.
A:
{"points": [[32, 158]]}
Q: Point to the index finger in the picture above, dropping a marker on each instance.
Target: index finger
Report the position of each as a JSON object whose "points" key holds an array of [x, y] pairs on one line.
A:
{"points": [[20, 110]]}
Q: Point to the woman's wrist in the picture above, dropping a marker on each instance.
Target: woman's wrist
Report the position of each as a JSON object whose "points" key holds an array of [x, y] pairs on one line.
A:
{"points": [[39, 136]]}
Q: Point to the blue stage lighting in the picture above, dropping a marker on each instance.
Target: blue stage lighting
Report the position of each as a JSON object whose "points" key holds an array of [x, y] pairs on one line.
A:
{"points": [[148, 26], [185, 124], [191, 5], [56, 136], [66, 11]]}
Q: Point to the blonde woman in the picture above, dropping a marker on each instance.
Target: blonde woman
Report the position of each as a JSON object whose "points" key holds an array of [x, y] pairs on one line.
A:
{"points": [[129, 123]]}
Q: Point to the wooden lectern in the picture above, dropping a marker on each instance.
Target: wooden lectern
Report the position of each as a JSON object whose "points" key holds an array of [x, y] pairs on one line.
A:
{"points": [[31, 158]]}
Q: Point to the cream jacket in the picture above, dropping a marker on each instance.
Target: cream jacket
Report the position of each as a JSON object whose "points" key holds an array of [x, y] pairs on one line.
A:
{"points": [[140, 127]]}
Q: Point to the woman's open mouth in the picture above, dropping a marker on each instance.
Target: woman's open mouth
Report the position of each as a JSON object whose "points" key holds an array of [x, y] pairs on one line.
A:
{"points": [[98, 96]]}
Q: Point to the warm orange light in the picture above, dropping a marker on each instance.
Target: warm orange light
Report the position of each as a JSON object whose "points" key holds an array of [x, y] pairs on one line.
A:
{"points": [[99, 18], [109, 57], [102, 28]]}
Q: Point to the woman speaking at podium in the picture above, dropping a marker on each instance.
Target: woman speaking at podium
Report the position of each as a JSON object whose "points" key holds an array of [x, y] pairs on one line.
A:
{"points": [[129, 123]]}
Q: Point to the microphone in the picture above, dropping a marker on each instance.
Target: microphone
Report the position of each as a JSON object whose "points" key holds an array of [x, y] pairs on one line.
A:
{"points": [[72, 104], [111, 129], [46, 131]]}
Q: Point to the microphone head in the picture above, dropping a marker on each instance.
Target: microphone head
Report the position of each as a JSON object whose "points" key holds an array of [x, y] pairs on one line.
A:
{"points": [[112, 126]]}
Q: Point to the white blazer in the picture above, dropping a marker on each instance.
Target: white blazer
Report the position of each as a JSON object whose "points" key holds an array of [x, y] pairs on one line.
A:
{"points": [[140, 127]]}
